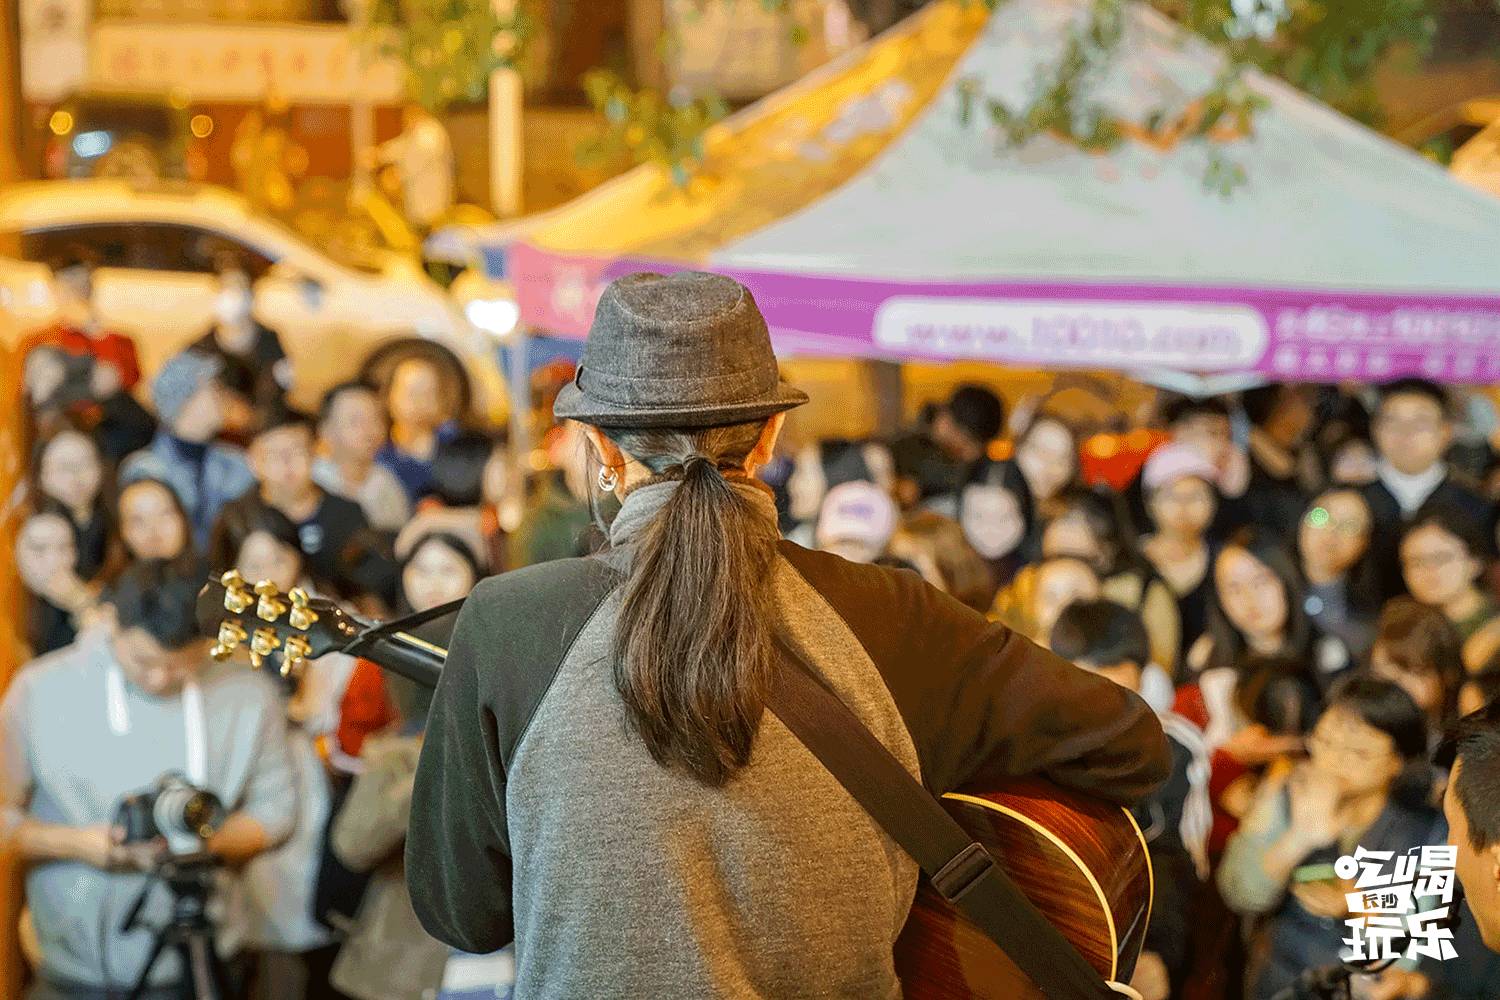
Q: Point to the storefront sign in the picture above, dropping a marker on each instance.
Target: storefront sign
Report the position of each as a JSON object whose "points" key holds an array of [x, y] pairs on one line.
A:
{"points": [[300, 63]]}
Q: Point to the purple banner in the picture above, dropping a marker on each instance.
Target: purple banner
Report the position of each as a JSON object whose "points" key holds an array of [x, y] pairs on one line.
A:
{"points": [[1288, 334]]}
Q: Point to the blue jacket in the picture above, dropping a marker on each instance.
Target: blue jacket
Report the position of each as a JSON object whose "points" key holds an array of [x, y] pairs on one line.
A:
{"points": [[223, 476]]}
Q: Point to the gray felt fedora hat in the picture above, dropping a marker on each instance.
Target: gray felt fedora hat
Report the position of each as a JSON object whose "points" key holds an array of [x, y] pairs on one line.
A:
{"points": [[687, 350]]}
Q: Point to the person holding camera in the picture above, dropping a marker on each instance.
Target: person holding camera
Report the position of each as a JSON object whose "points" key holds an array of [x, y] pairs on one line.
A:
{"points": [[131, 702]]}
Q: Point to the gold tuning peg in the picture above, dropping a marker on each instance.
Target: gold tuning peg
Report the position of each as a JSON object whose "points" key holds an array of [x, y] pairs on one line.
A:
{"points": [[294, 656], [271, 606], [237, 596], [230, 637], [302, 617], [262, 644]]}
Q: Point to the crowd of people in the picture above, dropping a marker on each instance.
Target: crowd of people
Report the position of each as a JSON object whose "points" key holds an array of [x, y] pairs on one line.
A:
{"points": [[1300, 580]]}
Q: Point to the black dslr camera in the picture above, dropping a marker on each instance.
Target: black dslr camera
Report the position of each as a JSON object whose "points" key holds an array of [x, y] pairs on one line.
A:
{"points": [[173, 810]]}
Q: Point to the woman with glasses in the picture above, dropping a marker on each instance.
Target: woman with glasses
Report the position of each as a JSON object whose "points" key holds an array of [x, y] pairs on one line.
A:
{"points": [[1366, 783], [1340, 594], [1442, 560]]}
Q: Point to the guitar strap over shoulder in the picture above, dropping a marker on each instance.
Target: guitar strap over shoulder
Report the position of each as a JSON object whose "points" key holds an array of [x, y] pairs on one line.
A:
{"points": [[959, 868]]}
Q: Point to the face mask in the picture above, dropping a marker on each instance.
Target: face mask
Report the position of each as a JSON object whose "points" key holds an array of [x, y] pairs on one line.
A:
{"points": [[231, 307]]}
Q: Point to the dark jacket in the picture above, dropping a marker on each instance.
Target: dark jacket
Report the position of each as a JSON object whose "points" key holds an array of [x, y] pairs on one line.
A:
{"points": [[539, 817]]}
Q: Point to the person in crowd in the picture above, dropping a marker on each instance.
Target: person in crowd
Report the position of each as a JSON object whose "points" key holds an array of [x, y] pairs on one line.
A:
{"points": [[1352, 461], [680, 649], [381, 725], [76, 371], [1105, 638], [256, 370], [104, 718], [856, 521], [1471, 808], [1255, 607], [1443, 559], [1180, 493], [351, 430], [1046, 460], [1086, 525], [423, 413], [966, 426], [331, 530], [824, 465], [442, 554], [1413, 428], [1281, 416], [80, 332], [469, 472], [204, 473], [993, 518], [924, 472], [1477, 691], [386, 955], [1340, 592], [1032, 607], [1204, 427], [935, 547], [294, 951], [69, 470], [153, 523], [46, 560], [558, 520], [1417, 648], [1365, 783]]}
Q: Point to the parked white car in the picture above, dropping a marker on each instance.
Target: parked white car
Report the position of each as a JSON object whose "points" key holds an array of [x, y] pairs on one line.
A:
{"points": [[157, 249]]}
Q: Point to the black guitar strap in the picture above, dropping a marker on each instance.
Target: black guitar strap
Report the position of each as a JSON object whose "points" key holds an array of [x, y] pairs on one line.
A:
{"points": [[960, 869]]}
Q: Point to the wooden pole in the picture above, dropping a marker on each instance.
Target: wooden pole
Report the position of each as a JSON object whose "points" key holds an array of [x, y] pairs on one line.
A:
{"points": [[12, 966]]}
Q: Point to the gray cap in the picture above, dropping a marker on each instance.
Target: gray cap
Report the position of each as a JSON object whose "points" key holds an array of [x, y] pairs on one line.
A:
{"points": [[180, 378], [687, 350]]}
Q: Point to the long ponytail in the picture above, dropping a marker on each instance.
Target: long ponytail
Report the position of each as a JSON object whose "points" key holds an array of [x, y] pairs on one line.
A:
{"points": [[692, 647]]}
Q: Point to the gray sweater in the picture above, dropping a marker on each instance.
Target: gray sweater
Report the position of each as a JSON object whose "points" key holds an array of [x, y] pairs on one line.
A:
{"points": [[539, 817]]}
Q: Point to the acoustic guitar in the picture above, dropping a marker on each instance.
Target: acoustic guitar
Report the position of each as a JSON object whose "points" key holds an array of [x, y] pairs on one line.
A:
{"points": [[1081, 862]]}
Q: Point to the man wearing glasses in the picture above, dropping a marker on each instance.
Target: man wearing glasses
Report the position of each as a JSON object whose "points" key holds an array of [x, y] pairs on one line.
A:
{"points": [[1412, 431]]}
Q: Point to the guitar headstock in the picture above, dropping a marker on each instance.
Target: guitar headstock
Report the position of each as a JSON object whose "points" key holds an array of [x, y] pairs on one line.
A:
{"points": [[284, 629]]}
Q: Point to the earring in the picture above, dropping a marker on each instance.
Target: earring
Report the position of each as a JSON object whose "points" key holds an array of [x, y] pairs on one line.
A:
{"points": [[608, 479]]}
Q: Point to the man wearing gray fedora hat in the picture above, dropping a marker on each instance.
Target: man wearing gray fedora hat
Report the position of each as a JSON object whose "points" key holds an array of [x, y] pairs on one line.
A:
{"points": [[602, 782]]}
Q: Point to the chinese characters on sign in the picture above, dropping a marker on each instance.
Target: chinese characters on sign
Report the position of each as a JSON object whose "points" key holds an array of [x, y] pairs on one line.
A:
{"points": [[1399, 899]]}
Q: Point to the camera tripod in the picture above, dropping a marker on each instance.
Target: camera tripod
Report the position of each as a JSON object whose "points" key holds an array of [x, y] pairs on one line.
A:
{"points": [[189, 930]]}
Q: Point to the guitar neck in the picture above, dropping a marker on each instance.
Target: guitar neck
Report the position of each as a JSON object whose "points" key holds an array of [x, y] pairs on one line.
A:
{"points": [[402, 653]]}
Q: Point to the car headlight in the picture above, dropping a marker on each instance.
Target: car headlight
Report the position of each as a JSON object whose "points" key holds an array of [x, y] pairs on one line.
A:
{"points": [[497, 317]]}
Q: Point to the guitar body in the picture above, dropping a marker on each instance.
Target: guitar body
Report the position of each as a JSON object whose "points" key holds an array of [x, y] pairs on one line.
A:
{"points": [[1082, 862]]}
